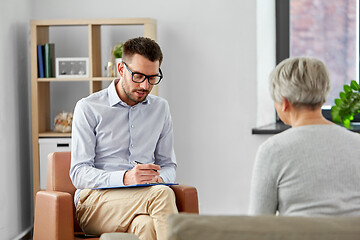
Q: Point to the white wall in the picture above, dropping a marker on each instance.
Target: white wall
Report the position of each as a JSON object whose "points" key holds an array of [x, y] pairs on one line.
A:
{"points": [[266, 60], [210, 68], [15, 170]]}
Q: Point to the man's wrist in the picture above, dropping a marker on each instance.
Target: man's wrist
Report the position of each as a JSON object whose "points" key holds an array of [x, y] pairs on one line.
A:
{"points": [[124, 178]]}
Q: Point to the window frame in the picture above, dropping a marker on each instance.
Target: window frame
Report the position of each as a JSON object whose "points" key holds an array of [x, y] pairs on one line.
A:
{"points": [[282, 8]]}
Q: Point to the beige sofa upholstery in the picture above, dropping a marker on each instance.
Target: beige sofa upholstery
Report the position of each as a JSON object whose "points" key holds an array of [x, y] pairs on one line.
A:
{"points": [[118, 236], [200, 227]]}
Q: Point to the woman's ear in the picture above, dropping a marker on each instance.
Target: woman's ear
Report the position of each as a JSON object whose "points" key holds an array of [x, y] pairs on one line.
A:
{"points": [[285, 104]]}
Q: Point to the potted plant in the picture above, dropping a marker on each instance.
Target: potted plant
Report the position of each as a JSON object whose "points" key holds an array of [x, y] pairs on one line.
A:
{"points": [[348, 105], [117, 52]]}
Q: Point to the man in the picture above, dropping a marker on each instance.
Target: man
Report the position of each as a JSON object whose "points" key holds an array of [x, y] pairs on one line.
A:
{"points": [[115, 129]]}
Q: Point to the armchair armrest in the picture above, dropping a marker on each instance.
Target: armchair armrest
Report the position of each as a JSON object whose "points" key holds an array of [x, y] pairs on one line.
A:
{"points": [[53, 216], [186, 198]]}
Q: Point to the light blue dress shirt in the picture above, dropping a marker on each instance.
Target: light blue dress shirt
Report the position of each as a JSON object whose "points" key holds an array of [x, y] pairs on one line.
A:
{"points": [[108, 134]]}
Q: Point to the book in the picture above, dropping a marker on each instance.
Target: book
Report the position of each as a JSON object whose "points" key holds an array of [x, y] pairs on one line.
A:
{"points": [[136, 185], [40, 56], [49, 55]]}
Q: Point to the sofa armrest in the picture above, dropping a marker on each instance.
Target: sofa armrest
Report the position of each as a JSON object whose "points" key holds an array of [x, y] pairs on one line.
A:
{"points": [[53, 216], [186, 198]]}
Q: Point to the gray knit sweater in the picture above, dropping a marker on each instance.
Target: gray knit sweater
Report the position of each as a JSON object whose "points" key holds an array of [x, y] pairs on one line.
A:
{"points": [[311, 170]]}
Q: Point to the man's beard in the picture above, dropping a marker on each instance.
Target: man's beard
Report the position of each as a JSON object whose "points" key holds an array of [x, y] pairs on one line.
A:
{"points": [[135, 100]]}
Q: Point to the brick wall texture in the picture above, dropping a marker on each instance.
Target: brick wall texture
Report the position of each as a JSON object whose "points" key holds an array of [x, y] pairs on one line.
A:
{"points": [[326, 29]]}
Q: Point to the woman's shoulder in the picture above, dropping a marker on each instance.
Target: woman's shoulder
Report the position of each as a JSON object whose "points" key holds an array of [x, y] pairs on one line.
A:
{"points": [[297, 135], [280, 138], [327, 130], [346, 134]]}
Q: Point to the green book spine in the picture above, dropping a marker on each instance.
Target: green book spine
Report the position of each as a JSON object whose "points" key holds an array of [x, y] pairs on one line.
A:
{"points": [[49, 53]]}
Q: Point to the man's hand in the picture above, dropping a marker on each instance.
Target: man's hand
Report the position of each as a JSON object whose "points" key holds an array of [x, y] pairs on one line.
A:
{"points": [[142, 173]]}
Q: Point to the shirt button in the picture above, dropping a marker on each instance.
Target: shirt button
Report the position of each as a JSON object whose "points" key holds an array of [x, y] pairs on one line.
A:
{"points": [[132, 145], [132, 126]]}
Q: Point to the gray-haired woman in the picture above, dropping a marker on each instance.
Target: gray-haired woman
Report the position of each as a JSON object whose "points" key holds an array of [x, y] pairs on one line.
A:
{"points": [[312, 168]]}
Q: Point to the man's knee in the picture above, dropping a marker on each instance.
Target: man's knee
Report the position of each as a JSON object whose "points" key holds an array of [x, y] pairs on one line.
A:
{"points": [[162, 199], [143, 225], [164, 192]]}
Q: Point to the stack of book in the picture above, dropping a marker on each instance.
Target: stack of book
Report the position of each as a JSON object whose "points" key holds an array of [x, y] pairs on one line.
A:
{"points": [[46, 60]]}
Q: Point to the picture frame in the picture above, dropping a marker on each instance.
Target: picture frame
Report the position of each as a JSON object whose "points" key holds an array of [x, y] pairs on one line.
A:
{"points": [[72, 67]]}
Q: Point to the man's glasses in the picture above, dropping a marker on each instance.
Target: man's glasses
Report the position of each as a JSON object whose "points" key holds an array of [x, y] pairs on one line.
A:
{"points": [[139, 77]]}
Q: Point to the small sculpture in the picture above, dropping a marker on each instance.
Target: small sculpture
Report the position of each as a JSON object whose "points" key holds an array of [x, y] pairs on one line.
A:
{"points": [[63, 122]]}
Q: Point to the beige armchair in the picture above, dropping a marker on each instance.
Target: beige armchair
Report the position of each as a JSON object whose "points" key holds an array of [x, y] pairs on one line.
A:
{"points": [[55, 211]]}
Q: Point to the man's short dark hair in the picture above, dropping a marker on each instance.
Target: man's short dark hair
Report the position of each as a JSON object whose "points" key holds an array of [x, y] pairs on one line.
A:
{"points": [[143, 46]]}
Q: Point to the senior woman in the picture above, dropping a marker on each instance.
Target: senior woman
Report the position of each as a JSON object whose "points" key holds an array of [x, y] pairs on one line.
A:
{"points": [[312, 169]]}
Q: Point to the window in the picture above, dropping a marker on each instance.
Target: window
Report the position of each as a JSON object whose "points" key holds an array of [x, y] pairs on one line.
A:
{"points": [[324, 29]]}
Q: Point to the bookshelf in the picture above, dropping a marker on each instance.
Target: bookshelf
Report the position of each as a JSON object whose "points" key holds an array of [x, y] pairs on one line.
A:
{"points": [[40, 87]]}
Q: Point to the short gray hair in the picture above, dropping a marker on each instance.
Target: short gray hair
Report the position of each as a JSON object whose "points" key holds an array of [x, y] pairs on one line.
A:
{"points": [[303, 81]]}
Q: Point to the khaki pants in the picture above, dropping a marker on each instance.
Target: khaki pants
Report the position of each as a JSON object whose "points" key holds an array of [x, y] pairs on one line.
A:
{"points": [[142, 211]]}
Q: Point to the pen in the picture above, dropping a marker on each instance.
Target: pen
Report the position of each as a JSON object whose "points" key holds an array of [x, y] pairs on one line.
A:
{"points": [[137, 162]]}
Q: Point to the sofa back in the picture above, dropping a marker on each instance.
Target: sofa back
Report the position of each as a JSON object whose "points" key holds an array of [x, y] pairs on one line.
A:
{"points": [[200, 227]]}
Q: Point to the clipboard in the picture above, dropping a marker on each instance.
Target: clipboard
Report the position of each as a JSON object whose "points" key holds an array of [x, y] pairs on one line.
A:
{"points": [[135, 185]]}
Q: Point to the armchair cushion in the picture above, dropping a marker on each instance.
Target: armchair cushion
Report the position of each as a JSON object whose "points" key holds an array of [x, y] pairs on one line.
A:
{"points": [[54, 219]]}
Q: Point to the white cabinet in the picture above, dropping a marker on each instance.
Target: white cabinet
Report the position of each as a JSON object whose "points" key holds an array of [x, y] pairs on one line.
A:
{"points": [[49, 145]]}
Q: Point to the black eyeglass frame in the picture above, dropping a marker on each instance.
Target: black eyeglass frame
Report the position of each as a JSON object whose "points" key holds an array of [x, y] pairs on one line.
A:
{"points": [[145, 76]]}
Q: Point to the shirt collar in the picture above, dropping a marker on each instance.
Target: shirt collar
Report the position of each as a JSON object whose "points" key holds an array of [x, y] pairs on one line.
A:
{"points": [[114, 97]]}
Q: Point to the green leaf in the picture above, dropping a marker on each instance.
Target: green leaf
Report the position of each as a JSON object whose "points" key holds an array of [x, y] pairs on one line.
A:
{"points": [[335, 114], [342, 95], [347, 89], [357, 106], [354, 85], [347, 123], [337, 101], [347, 105], [334, 109]]}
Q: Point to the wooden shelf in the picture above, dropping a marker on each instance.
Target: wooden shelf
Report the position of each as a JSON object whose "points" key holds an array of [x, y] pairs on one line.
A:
{"points": [[64, 79], [75, 79], [54, 134], [40, 87], [79, 22]]}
